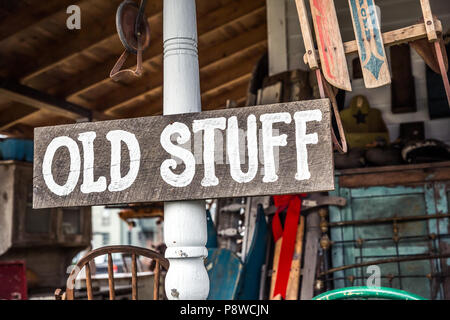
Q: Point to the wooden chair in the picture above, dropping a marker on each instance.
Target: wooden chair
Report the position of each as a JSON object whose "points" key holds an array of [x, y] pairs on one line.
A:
{"points": [[109, 250]]}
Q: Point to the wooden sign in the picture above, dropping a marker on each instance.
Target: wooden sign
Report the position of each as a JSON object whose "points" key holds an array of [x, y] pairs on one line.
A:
{"points": [[370, 43], [329, 41], [264, 150]]}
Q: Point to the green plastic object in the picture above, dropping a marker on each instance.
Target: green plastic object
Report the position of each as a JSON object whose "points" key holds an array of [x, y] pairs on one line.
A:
{"points": [[367, 292]]}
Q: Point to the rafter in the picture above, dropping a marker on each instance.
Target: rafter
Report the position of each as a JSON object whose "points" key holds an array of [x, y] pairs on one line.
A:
{"points": [[224, 66], [226, 87], [218, 102], [229, 72], [13, 114], [88, 37], [25, 16], [256, 49], [19, 131], [234, 90], [239, 67], [32, 97]]}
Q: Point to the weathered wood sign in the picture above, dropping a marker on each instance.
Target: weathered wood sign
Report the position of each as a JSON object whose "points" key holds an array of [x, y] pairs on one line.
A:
{"points": [[370, 43], [264, 150]]}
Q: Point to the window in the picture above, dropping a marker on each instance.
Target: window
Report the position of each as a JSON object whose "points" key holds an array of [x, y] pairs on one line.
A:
{"points": [[105, 238], [106, 218]]}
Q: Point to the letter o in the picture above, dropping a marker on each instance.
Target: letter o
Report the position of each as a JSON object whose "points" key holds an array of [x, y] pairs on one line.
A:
{"points": [[74, 171]]}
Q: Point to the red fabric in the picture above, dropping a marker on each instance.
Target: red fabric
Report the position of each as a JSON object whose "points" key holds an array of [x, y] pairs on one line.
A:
{"points": [[293, 203]]}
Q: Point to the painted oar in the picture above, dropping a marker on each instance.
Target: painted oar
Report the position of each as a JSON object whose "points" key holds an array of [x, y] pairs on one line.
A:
{"points": [[311, 57], [312, 60], [329, 42], [371, 51]]}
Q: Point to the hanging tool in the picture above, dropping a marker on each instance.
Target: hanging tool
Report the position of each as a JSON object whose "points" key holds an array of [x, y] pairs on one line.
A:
{"points": [[134, 33]]}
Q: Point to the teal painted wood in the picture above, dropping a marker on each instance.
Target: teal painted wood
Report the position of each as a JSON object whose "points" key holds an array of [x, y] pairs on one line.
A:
{"points": [[384, 191], [375, 202], [229, 278], [224, 272], [439, 205], [441, 198], [336, 214], [255, 259]]}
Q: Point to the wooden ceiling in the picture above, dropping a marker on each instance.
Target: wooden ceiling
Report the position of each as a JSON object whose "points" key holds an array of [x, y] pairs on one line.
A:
{"points": [[38, 51]]}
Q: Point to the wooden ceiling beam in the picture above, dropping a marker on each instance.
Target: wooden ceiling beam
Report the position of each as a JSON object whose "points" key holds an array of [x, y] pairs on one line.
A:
{"points": [[234, 90], [219, 102], [19, 131], [14, 114], [157, 90], [226, 14], [236, 44], [241, 102], [70, 46], [214, 55], [211, 86], [25, 16], [226, 87], [84, 39], [232, 84], [229, 73], [35, 98], [214, 21]]}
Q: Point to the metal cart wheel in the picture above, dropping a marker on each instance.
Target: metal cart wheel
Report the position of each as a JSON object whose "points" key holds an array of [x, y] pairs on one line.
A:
{"points": [[126, 16], [366, 293]]}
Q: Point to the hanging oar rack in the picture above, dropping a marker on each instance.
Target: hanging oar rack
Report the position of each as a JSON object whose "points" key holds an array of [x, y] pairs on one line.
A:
{"points": [[329, 61], [390, 38]]}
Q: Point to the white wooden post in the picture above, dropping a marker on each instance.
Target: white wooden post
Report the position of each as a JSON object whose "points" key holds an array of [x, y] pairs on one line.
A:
{"points": [[184, 222]]}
